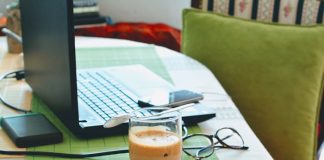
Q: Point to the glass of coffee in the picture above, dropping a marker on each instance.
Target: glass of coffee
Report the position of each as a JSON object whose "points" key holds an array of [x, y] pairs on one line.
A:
{"points": [[155, 137]]}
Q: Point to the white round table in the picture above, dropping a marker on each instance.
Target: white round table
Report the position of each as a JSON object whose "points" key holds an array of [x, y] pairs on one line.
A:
{"points": [[190, 74]]}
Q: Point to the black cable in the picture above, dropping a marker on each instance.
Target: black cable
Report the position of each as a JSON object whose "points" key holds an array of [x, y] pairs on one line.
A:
{"points": [[12, 106], [70, 155], [18, 75], [63, 155]]}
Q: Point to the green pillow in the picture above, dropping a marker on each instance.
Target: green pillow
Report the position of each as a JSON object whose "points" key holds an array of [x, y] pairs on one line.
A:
{"points": [[274, 73]]}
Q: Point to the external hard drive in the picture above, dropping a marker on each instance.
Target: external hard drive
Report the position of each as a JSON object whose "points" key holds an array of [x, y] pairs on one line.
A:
{"points": [[31, 130]]}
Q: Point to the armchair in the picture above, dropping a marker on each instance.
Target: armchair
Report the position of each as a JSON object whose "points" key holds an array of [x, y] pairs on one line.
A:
{"points": [[273, 72]]}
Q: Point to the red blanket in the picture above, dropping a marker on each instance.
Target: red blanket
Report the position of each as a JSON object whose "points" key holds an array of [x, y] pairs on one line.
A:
{"points": [[159, 34]]}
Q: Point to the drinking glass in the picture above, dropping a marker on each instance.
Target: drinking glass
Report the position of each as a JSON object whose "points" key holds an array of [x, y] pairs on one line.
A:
{"points": [[155, 137]]}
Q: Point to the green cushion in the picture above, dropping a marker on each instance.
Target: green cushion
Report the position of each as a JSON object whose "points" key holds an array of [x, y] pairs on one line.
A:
{"points": [[274, 73]]}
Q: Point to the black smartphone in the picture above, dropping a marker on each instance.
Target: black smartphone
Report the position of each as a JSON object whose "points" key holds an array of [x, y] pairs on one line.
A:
{"points": [[177, 98]]}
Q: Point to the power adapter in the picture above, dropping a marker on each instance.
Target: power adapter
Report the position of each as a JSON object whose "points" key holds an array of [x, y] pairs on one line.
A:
{"points": [[30, 130]]}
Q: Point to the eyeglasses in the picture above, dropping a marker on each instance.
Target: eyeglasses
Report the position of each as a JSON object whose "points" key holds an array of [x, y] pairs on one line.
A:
{"points": [[201, 146]]}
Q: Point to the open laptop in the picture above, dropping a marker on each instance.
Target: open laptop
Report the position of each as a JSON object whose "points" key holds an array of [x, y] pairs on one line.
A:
{"points": [[85, 99]]}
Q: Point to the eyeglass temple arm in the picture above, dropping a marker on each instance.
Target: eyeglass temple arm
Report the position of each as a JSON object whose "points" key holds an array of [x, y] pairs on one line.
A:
{"points": [[200, 147]]}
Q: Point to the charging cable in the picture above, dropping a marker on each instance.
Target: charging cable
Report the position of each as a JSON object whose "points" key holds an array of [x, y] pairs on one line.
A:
{"points": [[72, 156], [63, 155], [18, 75]]}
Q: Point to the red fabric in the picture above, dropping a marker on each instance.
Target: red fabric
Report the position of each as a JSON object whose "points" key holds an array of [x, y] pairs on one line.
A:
{"points": [[159, 34], [3, 22], [319, 129]]}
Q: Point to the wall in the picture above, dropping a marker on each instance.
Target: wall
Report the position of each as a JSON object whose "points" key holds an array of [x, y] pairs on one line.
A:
{"points": [[3, 4], [152, 11]]}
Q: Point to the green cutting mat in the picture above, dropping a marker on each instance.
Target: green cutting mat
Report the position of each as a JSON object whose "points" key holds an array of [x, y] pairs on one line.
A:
{"points": [[95, 58], [117, 56]]}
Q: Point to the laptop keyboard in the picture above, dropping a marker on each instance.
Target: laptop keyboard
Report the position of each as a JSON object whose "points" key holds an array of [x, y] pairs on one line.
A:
{"points": [[104, 94]]}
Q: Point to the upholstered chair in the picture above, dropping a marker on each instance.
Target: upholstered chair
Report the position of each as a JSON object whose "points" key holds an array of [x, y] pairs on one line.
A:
{"points": [[273, 72]]}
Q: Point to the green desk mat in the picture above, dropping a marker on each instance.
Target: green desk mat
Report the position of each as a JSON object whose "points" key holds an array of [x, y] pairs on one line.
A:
{"points": [[95, 58]]}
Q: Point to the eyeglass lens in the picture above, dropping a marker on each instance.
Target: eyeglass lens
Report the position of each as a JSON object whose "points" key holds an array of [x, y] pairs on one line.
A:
{"points": [[230, 138], [198, 146]]}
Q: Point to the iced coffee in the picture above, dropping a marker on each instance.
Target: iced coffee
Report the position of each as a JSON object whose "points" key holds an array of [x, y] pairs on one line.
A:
{"points": [[154, 143], [155, 138]]}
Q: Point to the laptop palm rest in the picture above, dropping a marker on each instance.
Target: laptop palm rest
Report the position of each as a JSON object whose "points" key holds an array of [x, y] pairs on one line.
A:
{"points": [[139, 81]]}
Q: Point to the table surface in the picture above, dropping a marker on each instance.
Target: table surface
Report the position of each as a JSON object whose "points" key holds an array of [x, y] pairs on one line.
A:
{"points": [[185, 73]]}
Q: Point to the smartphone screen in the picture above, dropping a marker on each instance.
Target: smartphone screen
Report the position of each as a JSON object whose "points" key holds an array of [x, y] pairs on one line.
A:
{"points": [[183, 97]]}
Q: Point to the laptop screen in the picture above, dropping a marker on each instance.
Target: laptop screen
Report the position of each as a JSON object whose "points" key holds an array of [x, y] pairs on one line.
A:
{"points": [[49, 54]]}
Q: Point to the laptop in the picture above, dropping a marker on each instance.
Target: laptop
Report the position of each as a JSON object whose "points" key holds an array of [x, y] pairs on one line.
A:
{"points": [[82, 99]]}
